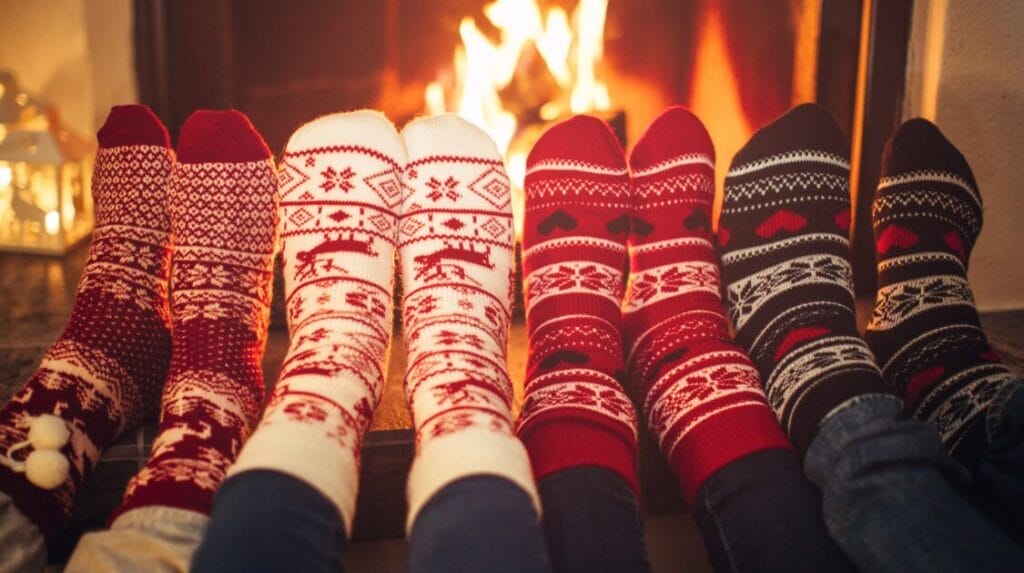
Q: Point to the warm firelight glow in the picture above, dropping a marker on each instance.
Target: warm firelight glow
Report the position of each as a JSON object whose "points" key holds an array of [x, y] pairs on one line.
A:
{"points": [[483, 68], [716, 99]]}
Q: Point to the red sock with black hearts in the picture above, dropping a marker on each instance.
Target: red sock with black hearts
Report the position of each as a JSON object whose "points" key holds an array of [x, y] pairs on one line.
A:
{"points": [[925, 329], [104, 374], [701, 394], [223, 207], [575, 412]]}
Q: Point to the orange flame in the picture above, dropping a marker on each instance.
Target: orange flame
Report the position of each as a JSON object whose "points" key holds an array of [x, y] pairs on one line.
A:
{"points": [[716, 99], [483, 68]]}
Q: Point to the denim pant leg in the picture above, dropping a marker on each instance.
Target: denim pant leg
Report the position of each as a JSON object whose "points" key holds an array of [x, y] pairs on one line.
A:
{"points": [[592, 522], [998, 488], [264, 520], [889, 499], [760, 513], [478, 523]]}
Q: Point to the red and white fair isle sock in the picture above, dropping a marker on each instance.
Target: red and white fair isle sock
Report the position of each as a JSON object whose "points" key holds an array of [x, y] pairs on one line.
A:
{"points": [[700, 393], [574, 249], [455, 244], [104, 374], [925, 330], [340, 190], [223, 207]]}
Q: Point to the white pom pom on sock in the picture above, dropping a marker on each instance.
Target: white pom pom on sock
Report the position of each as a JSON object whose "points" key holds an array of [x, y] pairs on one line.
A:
{"points": [[48, 432], [47, 468]]}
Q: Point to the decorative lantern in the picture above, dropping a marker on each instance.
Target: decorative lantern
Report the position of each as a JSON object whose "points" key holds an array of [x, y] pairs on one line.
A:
{"points": [[45, 170]]}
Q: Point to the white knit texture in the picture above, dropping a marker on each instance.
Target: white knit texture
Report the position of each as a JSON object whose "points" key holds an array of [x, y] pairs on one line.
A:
{"points": [[340, 189], [455, 246]]}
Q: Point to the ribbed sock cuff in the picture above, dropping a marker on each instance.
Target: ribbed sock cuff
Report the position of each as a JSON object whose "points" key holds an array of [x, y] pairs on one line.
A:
{"points": [[562, 444]]}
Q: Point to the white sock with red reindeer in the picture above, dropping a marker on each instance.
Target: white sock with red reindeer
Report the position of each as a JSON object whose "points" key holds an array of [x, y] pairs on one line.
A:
{"points": [[340, 190], [455, 244]]}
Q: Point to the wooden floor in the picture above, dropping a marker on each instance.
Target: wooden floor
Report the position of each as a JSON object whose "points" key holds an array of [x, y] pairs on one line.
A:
{"points": [[36, 296]]}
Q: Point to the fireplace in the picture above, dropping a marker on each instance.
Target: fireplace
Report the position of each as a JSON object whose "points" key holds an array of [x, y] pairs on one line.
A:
{"points": [[736, 64]]}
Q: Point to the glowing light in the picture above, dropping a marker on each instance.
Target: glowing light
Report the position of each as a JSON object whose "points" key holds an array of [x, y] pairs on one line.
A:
{"points": [[716, 98], [5, 176], [483, 68], [588, 93], [51, 222]]}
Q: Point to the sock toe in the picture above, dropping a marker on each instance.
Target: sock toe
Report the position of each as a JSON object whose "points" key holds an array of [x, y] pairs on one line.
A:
{"points": [[356, 128], [220, 137], [807, 126], [447, 135], [132, 125], [581, 136], [918, 145], [674, 133]]}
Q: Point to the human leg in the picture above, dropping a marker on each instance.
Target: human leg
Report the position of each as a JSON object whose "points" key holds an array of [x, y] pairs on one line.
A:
{"points": [[455, 247], [925, 330], [339, 200], [221, 277], [577, 421], [787, 271], [700, 392], [104, 374]]}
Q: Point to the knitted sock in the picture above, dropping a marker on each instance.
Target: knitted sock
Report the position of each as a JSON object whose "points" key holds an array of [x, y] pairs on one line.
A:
{"points": [[103, 375], [785, 258], [455, 244], [574, 248], [341, 188], [701, 395], [223, 207], [925, 330]]}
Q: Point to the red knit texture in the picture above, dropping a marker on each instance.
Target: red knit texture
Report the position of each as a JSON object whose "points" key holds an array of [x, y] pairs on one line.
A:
{"points": [[224, 223], [103, 375], [700, 393], [220, 137], [575, 228]]}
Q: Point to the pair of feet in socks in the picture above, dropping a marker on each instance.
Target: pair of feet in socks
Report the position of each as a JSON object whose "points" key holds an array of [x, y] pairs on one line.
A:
{"points": [[170, 315], [783, 238], [663, 338], [354, 193], [351, 191], [783, 241]]}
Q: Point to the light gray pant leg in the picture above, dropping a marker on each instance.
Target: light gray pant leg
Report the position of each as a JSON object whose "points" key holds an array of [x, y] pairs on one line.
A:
{"points": [[146, 539], [22, 548]]}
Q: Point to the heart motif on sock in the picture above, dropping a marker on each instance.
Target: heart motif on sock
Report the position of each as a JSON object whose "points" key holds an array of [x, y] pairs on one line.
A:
{"points": [[697, 221], [723, 236], [557, 220], [781, 220], [618, 225], [956, 244], [921, 382], [896, 236], [842, 219], [796, 337], [641, 227]]}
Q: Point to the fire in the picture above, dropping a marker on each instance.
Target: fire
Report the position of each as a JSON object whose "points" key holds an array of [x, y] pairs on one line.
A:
{"points": [[484, 70], [716, 99]]}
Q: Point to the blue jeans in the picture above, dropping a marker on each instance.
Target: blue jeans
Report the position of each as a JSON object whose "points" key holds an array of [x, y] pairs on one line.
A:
{"points": [[478, 523], [998, 487], [890, 494], [759, 513], [592, 522], [263, 520]]}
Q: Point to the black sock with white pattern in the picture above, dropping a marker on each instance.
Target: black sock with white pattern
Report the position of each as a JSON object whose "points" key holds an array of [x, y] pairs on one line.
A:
{"points": [[925, 329], [786, 265]]}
